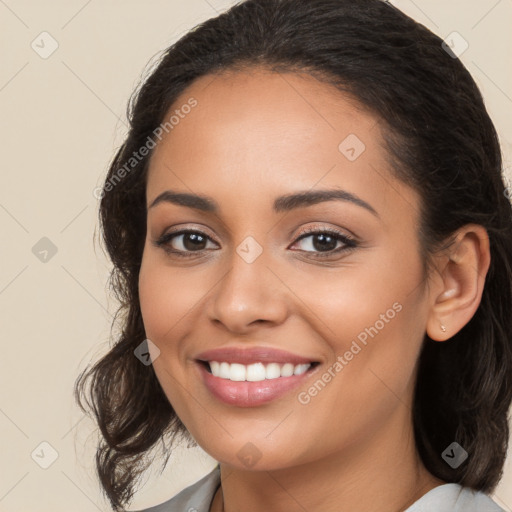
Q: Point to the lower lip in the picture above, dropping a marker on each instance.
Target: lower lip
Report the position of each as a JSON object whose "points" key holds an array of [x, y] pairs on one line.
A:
{"points": [[251, 394]]}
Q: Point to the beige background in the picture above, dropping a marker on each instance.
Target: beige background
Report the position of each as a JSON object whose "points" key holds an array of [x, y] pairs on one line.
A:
{"points": [[61, 119]]}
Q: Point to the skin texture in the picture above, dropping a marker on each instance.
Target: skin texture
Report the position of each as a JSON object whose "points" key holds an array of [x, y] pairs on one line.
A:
{"points": [[254, 136]]}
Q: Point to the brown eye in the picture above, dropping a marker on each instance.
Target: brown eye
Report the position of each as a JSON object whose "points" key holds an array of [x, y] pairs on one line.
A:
{"points": [[184, 242], [321, 242], [325, 243]]}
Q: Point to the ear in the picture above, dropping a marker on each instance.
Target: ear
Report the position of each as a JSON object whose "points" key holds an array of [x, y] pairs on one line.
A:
{"points": [[457, 290]]}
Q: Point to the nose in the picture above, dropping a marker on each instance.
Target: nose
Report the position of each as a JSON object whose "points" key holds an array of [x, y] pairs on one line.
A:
{"points": [[248, 295]]}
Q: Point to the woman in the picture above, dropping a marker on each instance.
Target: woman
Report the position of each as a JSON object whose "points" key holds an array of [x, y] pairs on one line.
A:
{"points": [[341, 340]]}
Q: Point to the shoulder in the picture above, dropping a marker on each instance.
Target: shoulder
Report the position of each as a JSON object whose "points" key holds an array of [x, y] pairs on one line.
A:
{"points": [[454, 498], [194, 498]]}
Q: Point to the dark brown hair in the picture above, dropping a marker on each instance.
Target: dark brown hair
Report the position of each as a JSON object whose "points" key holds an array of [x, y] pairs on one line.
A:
{"points": [[441, 142]]}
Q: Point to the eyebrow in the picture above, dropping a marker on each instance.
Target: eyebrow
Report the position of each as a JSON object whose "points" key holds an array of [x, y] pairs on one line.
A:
{"points": [[284, 203]]}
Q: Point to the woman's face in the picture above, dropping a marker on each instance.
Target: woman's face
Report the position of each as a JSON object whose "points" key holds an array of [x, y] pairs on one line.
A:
{"points": [[262, 148]]}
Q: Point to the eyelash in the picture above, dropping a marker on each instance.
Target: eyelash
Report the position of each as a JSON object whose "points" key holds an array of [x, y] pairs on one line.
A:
{"points": [[350, 244]]}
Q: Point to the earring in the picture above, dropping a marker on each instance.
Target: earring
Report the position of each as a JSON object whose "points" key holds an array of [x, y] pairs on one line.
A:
{"points": [[443, 328]]}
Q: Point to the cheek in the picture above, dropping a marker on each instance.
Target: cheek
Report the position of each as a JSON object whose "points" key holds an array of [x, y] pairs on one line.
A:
{"points": [[370, 375], [364, 300], [166, 295], [154, 299], [163, 303], [369, 335], [375, 321]]}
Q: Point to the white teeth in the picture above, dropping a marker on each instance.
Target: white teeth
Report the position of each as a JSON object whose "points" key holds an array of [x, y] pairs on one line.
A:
{"points": [[224, 371], [237, 372], [287, 370], [215, 367], [272, 371], [301, 368], [255, 372]]}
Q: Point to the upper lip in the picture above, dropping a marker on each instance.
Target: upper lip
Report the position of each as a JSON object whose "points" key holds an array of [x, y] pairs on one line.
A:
{"points": [[252, 355]]}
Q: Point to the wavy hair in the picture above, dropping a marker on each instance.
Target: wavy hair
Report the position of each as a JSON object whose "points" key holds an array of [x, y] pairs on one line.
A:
{"points": [[440, 141]]}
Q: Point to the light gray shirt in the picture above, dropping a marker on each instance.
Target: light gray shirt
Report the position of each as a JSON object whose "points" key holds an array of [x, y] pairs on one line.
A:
{"points": [[444, 498]]}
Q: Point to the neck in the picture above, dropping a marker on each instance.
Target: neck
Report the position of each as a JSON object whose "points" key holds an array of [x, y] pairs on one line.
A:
{"points": [[381, 471]]}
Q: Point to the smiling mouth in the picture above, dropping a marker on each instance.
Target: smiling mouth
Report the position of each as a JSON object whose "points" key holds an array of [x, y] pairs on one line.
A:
{"points": [[255, 372]]}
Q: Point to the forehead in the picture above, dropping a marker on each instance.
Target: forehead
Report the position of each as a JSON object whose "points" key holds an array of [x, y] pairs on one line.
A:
{"points": [[254, 135]]}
